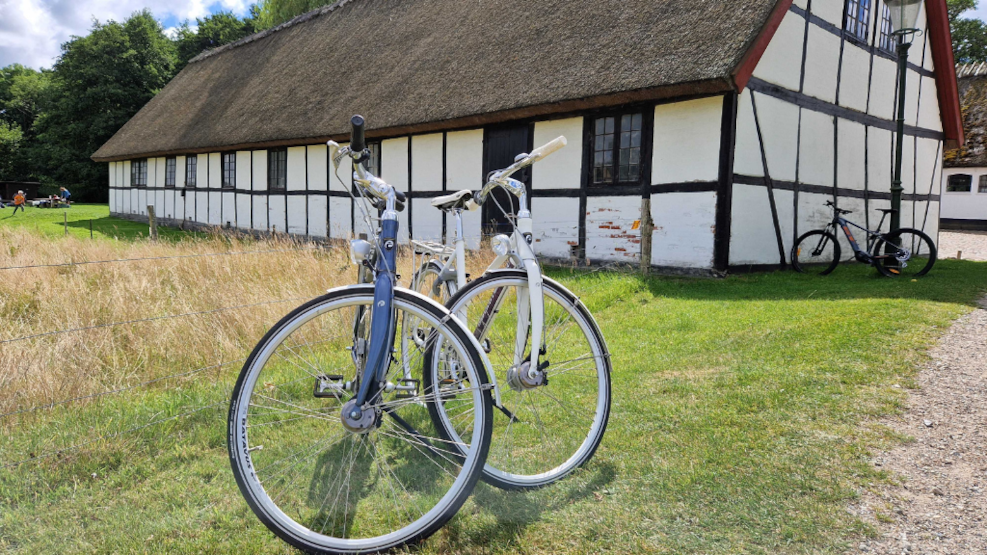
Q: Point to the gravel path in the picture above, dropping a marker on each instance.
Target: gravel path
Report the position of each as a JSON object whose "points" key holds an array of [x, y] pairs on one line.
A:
{"points": [[941, 506], [972, 243]]}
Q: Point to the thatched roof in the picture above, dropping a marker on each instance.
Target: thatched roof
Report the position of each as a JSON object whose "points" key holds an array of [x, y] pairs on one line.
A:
{"points": [[411, 65], [973, 103]]}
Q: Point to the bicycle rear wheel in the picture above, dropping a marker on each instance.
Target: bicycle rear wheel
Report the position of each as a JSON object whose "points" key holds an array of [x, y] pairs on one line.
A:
{"points": [[907, 253], [320, 485], [816, 252], [543, 433]]}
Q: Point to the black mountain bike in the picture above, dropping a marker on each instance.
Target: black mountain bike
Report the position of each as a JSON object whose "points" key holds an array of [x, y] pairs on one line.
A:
{"points": [[905, 252]]}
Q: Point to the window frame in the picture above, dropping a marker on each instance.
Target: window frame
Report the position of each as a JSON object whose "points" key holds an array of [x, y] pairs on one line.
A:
{"points": [[857, 28], [969, 183], [279, 182], [886, 41], [191, 171], [227, 170], [373, 163], [139, 163], [171, 171], [981, 184], [647, 113]]}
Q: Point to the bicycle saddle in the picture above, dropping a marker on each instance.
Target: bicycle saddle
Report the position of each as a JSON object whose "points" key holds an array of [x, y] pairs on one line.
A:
{"points": [[887, 210], [458, 200]]}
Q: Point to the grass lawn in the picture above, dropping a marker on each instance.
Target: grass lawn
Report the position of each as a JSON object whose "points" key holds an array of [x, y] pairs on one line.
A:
{"points": [[741, 423], [51, 222]]}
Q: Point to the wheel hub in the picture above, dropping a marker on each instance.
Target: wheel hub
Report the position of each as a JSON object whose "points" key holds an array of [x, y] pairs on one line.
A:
{"points": [[521, 378], [366, 421]]}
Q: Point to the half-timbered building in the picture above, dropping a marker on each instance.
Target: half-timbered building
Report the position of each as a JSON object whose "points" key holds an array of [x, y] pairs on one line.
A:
{"points": [[964, 182], [738, 119]]}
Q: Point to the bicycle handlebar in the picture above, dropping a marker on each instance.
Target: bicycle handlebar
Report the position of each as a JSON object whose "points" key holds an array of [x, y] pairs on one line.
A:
{"points": [[358, 141], [502, 178]]}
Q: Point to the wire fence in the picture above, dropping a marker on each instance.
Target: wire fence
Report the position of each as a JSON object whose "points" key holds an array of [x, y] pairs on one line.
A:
{"points": [[146, 258]]}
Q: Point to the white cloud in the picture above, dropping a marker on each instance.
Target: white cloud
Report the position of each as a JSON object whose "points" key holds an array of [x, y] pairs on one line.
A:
{"points": [[32, 31]]}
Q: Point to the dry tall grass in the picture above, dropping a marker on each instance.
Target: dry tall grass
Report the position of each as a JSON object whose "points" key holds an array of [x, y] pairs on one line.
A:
{"points": [[52, 368]]}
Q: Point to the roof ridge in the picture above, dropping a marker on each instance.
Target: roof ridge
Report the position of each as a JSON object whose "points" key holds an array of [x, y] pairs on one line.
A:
{"points": [[268, 32]]}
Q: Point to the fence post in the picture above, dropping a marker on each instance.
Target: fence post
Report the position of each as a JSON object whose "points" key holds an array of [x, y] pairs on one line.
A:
{"points": [[152, 222], [65, 222], [647, 232], [90, 228]]}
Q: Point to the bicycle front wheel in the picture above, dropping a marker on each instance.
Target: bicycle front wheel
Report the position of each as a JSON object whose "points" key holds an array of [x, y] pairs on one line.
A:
{"points": [[816, 252], [907, 253], [540, 434], [326, 487]]}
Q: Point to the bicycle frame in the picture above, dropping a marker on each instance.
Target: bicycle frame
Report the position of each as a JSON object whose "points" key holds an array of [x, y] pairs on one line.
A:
{"points": [[861, 254]]}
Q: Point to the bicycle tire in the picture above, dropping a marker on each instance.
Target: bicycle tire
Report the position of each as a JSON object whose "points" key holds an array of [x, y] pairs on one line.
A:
{"points": [[915, 253], [512, 476], [804, 264], [252, 486]]}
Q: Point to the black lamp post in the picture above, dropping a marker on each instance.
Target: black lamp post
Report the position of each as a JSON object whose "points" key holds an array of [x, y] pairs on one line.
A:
{"points": [[904, 18]]}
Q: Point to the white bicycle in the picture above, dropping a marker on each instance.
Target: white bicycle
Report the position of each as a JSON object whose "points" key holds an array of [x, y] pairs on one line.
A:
{"points": [[554, 409]]}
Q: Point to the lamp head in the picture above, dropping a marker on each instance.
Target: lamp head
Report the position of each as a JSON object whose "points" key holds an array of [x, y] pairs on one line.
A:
{"points": [[904, 16]]}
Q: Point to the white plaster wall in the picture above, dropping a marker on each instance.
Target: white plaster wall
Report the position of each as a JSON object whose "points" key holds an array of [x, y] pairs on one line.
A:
{"points": [[908, 165], [142, 201], [911, 101], [244, 173], [609, 233], [180, 172], [426, 175], [340, 222], [855, 78], [259, 183], [882, 91], [879, 159], [297, 210], [752, 233], [687, 141], [202, 207], [779, 128], [214, 171], [169, 204], [227, 215], [296, 168], [180, 201], [816, 154], [556, 226], [851, 155], [318, 168], [297, 215], [112, 176], [394, 170], [781, 63], [276, 213], [822, 63], [562, 170], [318, 214], [964, 206], [157, 178], [927, 166], [684, 227], [932, 225], [829, 10], [464, 170], [929, 116]]}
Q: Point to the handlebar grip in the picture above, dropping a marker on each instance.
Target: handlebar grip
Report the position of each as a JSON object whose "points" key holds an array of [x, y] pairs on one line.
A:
{"points": [[358, 141], [401, 197], [545, 150]]}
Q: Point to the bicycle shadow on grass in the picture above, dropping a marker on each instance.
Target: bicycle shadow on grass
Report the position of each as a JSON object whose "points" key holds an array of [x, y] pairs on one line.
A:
{"points": [[514, 511]]}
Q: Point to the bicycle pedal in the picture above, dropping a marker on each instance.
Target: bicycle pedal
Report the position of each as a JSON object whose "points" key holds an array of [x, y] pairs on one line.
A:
{"points": [[329, 386], [407, 389]]}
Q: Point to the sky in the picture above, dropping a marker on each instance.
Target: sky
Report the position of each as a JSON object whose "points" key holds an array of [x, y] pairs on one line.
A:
{"points": [[32, 31]]}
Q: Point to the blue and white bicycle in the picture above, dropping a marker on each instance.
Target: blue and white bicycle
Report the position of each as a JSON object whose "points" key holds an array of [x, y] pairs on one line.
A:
{"points": [[333, 435]]}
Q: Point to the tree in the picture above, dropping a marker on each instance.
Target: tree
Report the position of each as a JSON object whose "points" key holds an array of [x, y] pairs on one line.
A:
{"points": [[271, 13], [211, 32], [969, 35], [10, 147], [98, 83]]}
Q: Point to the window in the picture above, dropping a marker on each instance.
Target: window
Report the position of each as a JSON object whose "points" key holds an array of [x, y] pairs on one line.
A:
{"points": [[373, 163], [170, 169], [887, 42], [983, 184], [138, 173], [959, 183], [191, 170], [277, 169], [857, 17], [617, 149], [229, 170]]}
